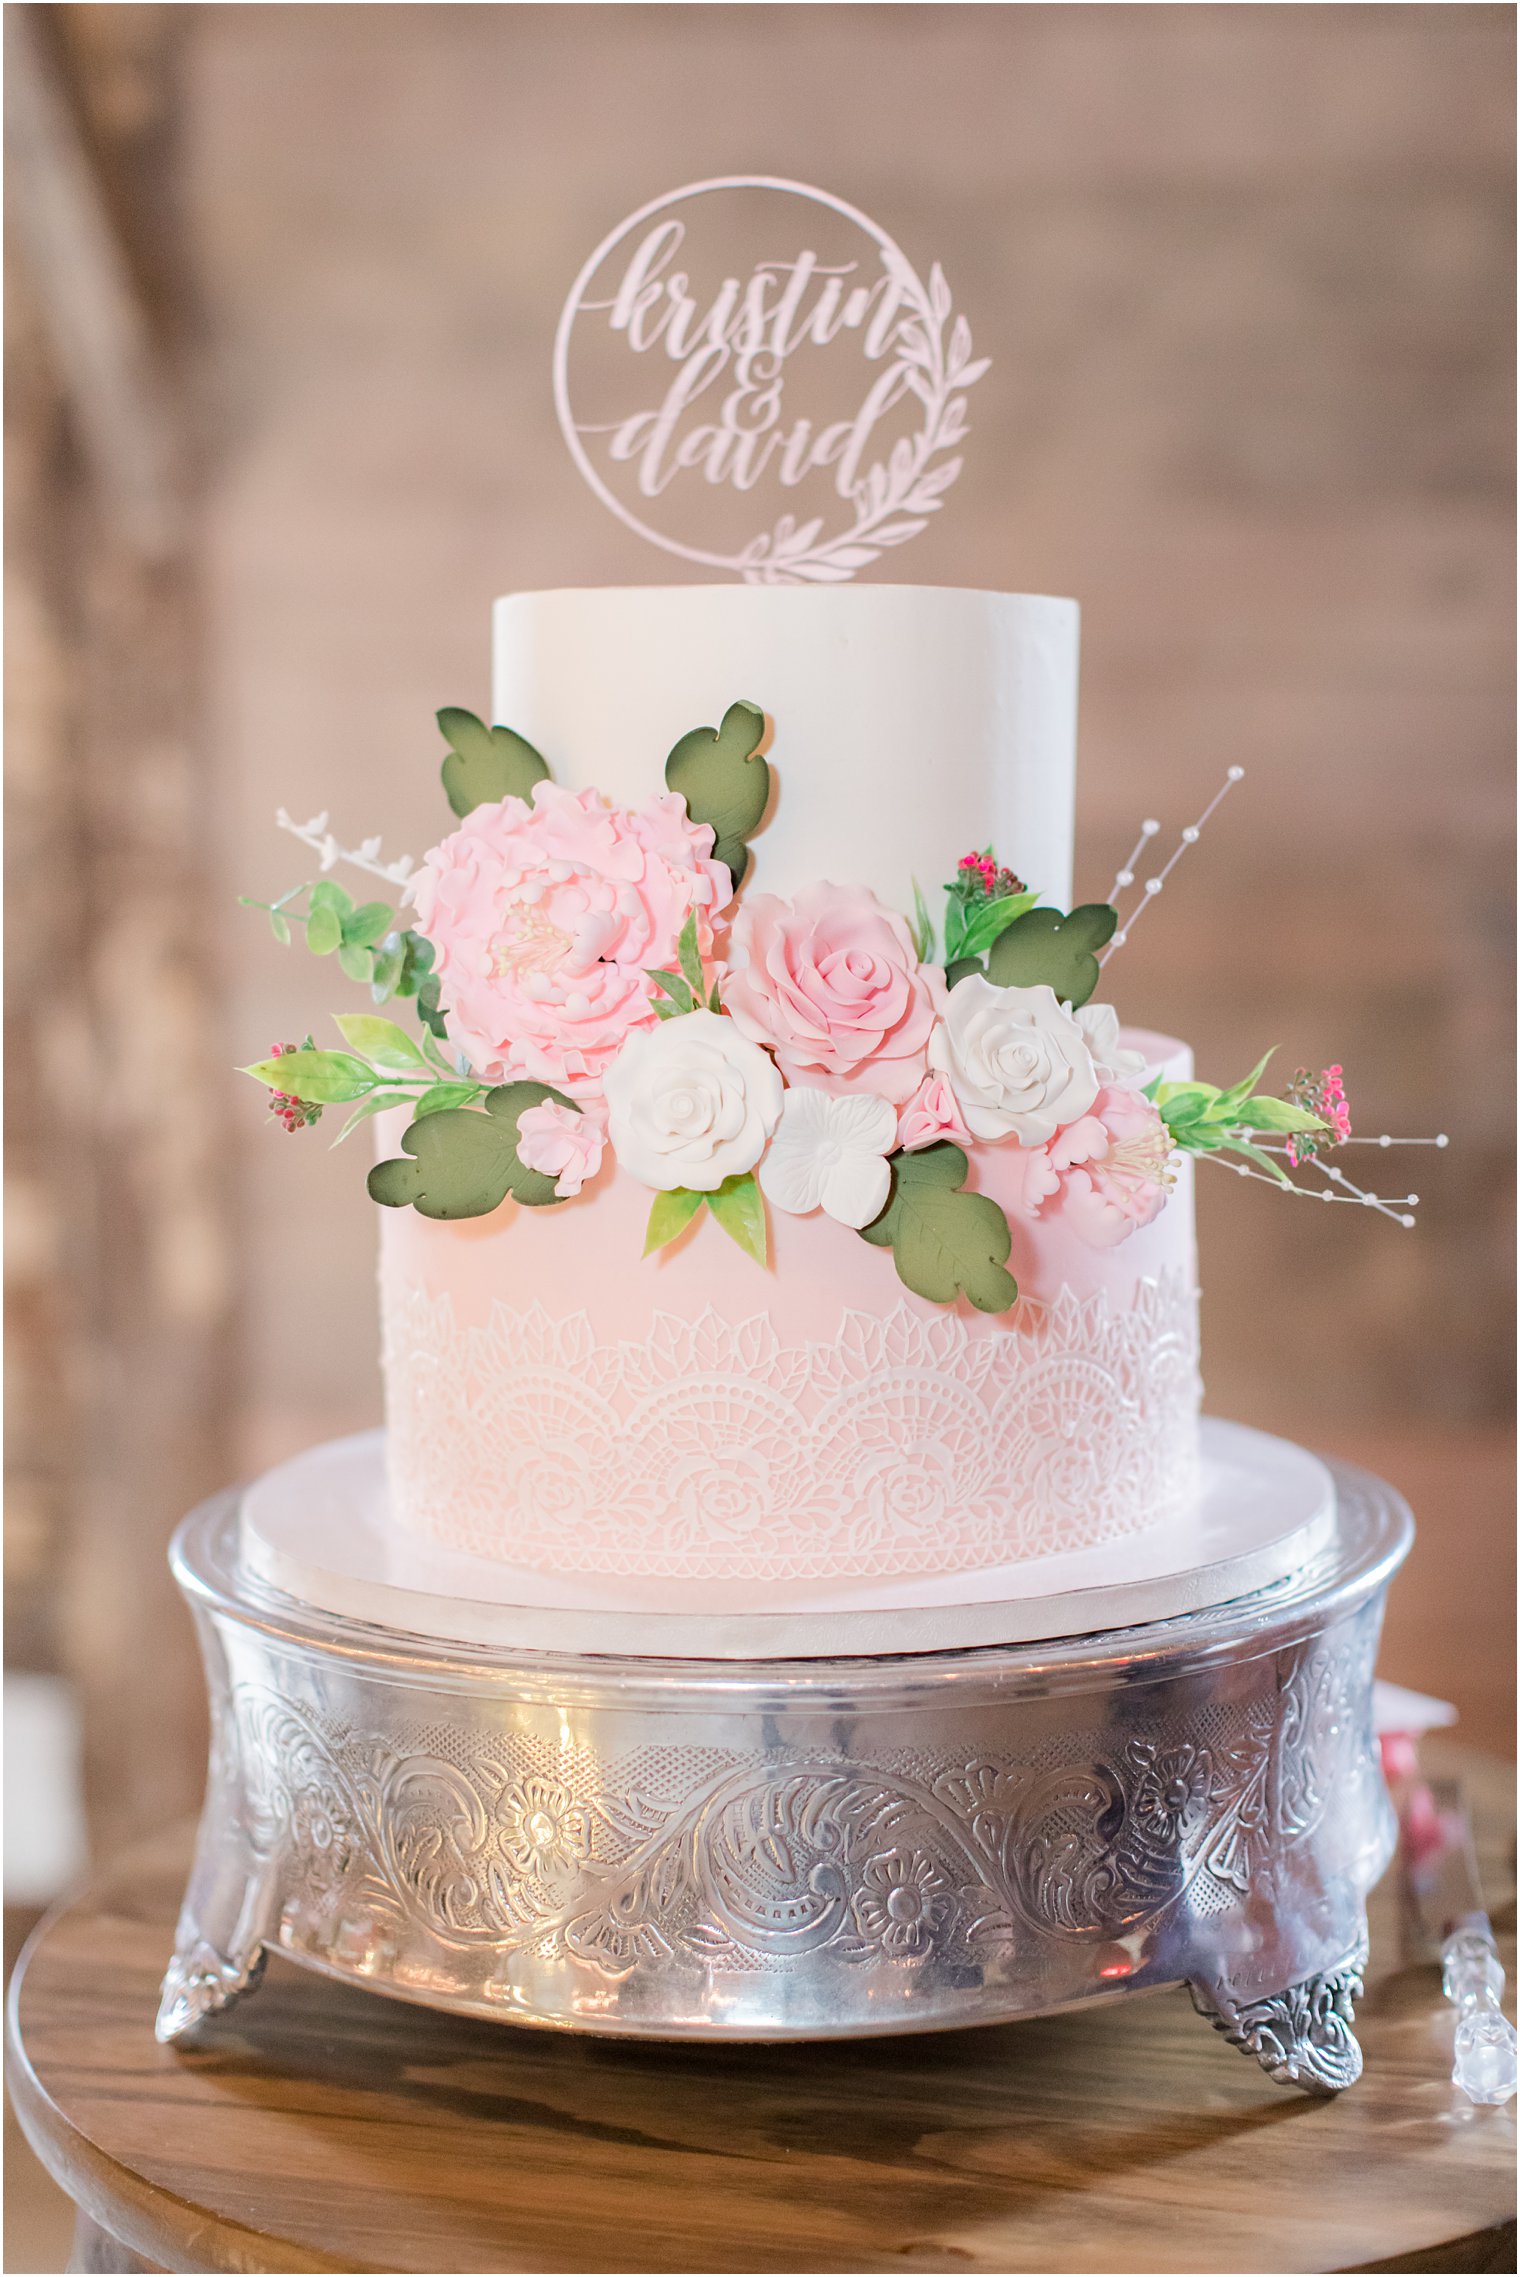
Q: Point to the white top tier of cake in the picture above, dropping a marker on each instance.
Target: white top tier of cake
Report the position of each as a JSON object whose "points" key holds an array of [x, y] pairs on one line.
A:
{"points": [[912, 722]]}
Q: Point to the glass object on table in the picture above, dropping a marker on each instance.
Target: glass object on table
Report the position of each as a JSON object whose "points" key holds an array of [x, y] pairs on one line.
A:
{"points": [[1484, 2061]]}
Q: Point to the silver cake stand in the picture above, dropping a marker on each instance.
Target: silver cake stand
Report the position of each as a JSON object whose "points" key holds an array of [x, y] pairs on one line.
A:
{"points": [[803, 1848]]}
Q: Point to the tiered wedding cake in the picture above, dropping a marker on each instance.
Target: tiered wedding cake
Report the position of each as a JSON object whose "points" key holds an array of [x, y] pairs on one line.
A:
{"points": [[777, 1224]]}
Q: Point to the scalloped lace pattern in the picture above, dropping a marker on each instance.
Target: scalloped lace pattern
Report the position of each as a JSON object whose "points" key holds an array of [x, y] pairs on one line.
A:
{"points": [[713, 1451]]}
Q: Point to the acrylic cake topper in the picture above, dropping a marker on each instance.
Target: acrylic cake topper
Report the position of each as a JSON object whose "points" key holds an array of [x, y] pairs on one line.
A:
{"points": [[751, 339]]}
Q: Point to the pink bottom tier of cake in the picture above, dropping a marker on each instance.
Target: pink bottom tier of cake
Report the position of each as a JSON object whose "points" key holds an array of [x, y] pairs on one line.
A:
{"points": [[560, 1402]]}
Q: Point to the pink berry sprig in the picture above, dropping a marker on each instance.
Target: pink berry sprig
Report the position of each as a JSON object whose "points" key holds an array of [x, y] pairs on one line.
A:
{"points": [[982, 899], [291, 1113], [1322, 1095], [979, 877]]}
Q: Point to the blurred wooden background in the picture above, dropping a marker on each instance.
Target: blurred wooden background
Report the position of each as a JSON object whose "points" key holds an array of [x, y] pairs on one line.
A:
{"points": [[283, 286]]}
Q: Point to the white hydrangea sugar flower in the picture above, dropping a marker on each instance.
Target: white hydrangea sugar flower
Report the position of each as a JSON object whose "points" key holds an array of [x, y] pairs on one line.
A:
{"points": [[690, 1103], [1016, 1060], [1112, 1061], [829, 1153]]}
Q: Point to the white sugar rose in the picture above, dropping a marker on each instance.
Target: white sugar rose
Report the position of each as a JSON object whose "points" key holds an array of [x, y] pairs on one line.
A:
{"points": [[691, 1102], [1113, 1062], [1016, 1060]]}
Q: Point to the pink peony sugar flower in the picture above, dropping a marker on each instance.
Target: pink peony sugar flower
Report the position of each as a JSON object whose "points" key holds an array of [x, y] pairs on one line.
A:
{"points": [[1105, 1175], [563, 1144], [830, 983], [930, 1115], [546, 920]]}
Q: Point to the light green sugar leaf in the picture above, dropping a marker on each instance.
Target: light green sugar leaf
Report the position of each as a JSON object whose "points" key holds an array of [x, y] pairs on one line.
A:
{"points": [[416, 960], [669, 1215], [1196, 1138], [436, 1057], [328, 894], [358, 964], [1186, 1110], [1182, 1095], [955, 932], [983, 925], [1277, 1115], [673, 985], [1266, 1162], [690, 957], [428, 1007], [363, 928], [442, 1095], [324, 931], [387, 973], [739, 1208], [922, 927], [379, 1041], [1237, 1093], [280, 927], [368, 1107], [322, 1079]]}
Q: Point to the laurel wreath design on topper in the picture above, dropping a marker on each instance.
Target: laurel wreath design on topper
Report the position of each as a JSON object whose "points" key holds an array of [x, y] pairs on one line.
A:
{"points": [[728, 349]]}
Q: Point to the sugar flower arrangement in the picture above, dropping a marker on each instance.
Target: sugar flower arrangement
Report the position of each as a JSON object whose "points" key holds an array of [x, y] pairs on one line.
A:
{"points": [[587, 980]]}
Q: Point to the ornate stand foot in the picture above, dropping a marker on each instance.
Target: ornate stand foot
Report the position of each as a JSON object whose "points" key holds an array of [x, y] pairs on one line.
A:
{"points": [[1301, 2037], [201, 1982]]}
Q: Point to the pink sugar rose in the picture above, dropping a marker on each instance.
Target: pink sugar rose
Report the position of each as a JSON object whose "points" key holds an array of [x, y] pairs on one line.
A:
{"points": [[1105, 1174], [830, 983], [563, 1144], [930, 1115], [546, 919]]}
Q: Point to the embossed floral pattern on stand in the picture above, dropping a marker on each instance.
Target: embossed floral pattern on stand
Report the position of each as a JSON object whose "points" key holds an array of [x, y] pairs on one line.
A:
{"points": [[491, 1835]]}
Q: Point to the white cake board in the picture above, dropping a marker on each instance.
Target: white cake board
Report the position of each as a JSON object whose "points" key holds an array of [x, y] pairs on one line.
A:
{"points": [[318, 1528]]}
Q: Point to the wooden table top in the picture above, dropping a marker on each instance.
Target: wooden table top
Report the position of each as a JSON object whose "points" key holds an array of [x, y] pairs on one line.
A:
{"points": [[323, 2127]]}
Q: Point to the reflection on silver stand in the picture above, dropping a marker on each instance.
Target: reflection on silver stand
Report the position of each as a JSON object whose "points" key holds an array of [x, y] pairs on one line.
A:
{"points": [[804, 1849]]}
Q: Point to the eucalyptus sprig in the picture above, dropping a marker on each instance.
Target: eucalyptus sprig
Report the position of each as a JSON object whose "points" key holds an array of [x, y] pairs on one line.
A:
{"points": [[371, 944], [383, 1067], [333, 921], [1203, 1119]]}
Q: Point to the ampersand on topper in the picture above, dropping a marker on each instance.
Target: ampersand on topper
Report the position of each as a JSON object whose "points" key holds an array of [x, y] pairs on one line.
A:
{"points": [[741, 369]]}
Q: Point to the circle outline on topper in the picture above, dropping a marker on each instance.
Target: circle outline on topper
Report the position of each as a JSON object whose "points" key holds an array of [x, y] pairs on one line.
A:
{"points": [[750, 571]]}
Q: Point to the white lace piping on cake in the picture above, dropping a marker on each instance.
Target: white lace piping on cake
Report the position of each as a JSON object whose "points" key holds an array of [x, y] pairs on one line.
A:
{"points": [[713, 1451]]}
